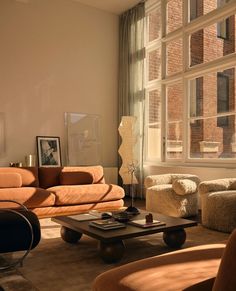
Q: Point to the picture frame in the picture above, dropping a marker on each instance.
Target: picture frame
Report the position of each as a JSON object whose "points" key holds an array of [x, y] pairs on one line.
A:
{"points": [[48, 151]]}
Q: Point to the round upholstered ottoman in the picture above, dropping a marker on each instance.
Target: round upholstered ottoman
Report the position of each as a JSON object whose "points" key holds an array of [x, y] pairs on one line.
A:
{"points": [[219, 210]]}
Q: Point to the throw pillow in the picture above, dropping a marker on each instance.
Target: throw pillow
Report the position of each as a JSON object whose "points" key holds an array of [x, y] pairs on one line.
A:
{"points": [[184, 186]]}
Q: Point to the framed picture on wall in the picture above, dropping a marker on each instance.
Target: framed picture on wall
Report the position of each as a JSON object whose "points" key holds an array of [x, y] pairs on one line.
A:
{"points": [[49, 151]]}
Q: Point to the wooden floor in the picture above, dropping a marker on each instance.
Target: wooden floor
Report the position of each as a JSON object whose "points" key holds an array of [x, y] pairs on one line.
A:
{"points": [[140, 203]]}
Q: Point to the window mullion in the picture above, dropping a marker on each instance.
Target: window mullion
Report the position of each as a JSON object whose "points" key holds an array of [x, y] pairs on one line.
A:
{"points": [[186, 57]]}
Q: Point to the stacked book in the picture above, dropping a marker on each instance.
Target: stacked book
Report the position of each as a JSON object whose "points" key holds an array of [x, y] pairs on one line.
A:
{"points": [[107, 224], [144, 224]]}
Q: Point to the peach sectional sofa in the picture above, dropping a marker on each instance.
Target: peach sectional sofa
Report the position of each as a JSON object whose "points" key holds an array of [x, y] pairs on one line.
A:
{"points": [[57, 191]]}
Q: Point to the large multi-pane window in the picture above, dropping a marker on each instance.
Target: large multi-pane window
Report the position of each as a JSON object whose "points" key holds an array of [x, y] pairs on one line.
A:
{"points": [[190, 81]]}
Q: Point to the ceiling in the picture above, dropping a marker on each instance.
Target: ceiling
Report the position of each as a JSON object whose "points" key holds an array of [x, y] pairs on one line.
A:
{"points": [[113, 6]]}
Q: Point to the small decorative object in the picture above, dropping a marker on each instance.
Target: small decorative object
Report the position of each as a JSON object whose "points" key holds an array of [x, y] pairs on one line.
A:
{"points": [[17, 164], [149, 218], [49, 152], [122, 216], [30, 161], [131, 171]]}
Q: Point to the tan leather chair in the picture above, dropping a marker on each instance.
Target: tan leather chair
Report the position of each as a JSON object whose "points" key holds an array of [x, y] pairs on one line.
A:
{"points": [[201, 268]]}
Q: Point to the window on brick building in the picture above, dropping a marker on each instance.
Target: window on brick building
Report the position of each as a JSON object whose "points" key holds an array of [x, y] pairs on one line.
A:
{"points": [[223, 29], [193, 9], [222, 98], [196, 99], [190, 82], [223, 26]]}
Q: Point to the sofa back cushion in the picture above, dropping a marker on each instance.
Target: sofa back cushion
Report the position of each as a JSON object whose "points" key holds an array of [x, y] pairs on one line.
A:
{"points": [[95, 171], [75, 178], [10, 180], [29, 175], [49, 177]]}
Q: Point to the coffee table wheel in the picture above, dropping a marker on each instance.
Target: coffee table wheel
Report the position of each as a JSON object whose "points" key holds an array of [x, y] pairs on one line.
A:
{"points": [[174, 238], [70, 235], [112, 252]]}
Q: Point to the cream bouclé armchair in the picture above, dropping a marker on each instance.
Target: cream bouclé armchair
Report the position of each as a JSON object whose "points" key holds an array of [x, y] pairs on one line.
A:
{"points": [[218, 204], [172, 194]]}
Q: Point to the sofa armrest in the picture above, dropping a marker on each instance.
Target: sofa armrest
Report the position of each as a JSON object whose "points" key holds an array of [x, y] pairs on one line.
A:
{"points": [[157, 180], [216, 185]]}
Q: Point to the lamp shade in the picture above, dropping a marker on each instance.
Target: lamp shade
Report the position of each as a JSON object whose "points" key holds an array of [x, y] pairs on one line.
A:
{"points": [[126, 150]]}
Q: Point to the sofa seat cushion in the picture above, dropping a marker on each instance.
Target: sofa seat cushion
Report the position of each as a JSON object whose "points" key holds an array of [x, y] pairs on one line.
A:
{"points": [[78, 208], [169, 272], [29, 196], [81, 194]]}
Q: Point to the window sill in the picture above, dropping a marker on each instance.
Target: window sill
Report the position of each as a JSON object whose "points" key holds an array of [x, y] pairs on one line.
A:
{"points": [[209, 146], [175, 146]]}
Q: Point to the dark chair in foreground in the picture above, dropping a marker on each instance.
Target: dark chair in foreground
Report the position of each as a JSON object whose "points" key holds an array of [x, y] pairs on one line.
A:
{"points": [[19, 231]]}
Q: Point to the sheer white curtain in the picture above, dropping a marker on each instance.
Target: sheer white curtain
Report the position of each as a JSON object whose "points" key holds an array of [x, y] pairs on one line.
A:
{"points": [[131, 78]]}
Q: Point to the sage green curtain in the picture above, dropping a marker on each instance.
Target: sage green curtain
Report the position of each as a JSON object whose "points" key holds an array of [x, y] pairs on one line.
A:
{"points": [[131, 78]]}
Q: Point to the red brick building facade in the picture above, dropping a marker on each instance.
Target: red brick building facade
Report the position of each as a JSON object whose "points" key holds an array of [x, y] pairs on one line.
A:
{"points": [[212, 95]]}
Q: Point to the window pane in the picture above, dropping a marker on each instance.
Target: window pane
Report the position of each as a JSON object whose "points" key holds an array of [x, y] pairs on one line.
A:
{"points": [[154, 125], [174, 15], [196, 97], [174, 57], [212, 115], [175, 102], [154, 24], [154, 65], [212, 94], [210, 141], [174, 121], [174, 143], [201, 7], [212, 42]]}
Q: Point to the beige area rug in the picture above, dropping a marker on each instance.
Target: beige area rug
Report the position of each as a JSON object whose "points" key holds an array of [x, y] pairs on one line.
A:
{"points": [[56, 265]]}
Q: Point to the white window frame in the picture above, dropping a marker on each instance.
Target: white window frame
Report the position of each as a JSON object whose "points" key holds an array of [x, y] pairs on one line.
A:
{"points": [[188, 72]]}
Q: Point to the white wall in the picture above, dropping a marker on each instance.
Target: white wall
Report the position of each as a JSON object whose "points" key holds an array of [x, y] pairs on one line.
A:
{"points": [[56, 56], [204, 173]]}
